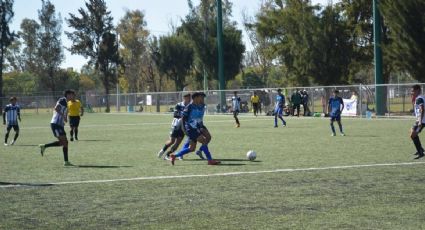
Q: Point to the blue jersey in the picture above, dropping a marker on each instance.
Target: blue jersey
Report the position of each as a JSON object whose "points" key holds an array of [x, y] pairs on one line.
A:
{"points": [[194, 116], [12, 113], [280, 101], [335, 105]]}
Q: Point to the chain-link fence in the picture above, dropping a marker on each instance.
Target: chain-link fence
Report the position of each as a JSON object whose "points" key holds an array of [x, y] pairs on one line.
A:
{"points": [[397, 99]]}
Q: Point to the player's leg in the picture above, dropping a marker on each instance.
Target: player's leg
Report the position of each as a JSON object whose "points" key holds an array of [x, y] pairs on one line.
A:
{"points": [[193, 135], [16, 129], [176, 144], [167, 144], [416, 141], [298, 110], [64, 143], [235, 115], [56, 132], [332, 126], [6, 136], [340, 126], [77, 123], [205, 139], [281, 117]]}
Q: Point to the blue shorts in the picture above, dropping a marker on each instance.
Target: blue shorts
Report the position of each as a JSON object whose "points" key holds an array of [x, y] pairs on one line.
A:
{"points": [[194, 133], [278, 111], [336, 117]]}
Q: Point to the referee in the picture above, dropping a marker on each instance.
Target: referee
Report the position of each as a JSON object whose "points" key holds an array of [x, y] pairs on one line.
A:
{"points": [[255, 102], [75, 111]]}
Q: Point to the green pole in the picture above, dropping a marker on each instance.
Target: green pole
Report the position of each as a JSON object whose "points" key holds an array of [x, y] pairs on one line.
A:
{"points": [[221, 83], [379, 105]]}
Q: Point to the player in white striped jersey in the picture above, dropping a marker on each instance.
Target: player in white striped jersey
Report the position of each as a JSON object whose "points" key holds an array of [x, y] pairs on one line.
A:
{"points": [[236, 108], [420, 120], [60, 117], [11, 115]]}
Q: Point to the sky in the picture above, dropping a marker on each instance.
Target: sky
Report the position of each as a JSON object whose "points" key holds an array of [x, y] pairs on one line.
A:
{"points": [[159, 15]]}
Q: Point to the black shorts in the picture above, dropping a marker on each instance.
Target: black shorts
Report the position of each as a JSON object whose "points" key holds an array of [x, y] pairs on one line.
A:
{"points": [[15, 128], [58, 130], [176, 132], [255, 106], [74, 121], [235, 113], [416, 127]]}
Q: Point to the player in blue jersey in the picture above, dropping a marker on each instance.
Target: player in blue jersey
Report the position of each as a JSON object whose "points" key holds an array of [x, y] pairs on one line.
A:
{"points": [[195, 129], [335, 107], [11, 115], [420, 120], [236, 107], [278, 109], [60, 117], [176, 134]]}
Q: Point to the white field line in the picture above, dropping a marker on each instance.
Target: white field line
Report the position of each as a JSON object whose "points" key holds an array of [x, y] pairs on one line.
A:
{"points": [[11, 185]]}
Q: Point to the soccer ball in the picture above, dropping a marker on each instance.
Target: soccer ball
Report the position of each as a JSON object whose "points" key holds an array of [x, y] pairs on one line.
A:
{"points": [[251, 155]]}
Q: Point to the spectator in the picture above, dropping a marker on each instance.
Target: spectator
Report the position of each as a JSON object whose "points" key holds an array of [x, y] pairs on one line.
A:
{"points": [[296, 102], [305, 99]]}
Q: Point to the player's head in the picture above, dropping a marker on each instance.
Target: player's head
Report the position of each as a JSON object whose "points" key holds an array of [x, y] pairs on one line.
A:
{"points": [[336, 93], [279, 91], [198, 97], [255, 93], [13, 100], [186, 97], [416, 90], [69, 94], [235, 93]]}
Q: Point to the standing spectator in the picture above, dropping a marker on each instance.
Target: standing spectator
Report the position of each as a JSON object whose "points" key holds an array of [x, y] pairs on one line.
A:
{"points": [[255, 103], [305, 99], [296, 102]]}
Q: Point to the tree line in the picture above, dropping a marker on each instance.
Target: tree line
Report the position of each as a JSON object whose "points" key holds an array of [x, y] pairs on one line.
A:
{"points": [[295, 43]]}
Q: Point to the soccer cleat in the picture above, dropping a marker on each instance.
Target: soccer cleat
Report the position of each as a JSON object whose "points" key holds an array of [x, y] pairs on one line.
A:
{"points": [[173, 158], [237, 126], [213, 162], [42, 149], [342, 134], [67, 163], [166, 158], [12, 143], [76, 138], [333, 134], [420, 155], [180, 158], [275, 126], [72, 139], [199, 153], [160, 153], [5, 144]]}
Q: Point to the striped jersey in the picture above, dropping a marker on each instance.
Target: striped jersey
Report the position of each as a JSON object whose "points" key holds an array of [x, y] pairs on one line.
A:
{"points": [[12, 113], [236, 103], [178, 114], [420, 101], [57, 118]]}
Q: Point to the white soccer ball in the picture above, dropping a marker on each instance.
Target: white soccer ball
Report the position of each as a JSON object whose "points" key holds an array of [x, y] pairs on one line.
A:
{"points": [[251, 155]]}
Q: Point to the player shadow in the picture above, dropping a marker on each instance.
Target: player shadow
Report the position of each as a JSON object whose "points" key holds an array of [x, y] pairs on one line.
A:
{"points": [[94, 140], [103, 166], [3, 183], [24, 145], [237, 160]]}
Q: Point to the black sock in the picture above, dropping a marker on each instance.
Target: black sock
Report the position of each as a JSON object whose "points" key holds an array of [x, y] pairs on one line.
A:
{"points": [[65, 153], [53, 144], [6, 137], [71, 133], [16, 136], [165, 148], [417, 143], [76, 133]]}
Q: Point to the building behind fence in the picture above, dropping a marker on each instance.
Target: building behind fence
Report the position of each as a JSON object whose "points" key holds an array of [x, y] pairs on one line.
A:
{"points": [[398, 100]]}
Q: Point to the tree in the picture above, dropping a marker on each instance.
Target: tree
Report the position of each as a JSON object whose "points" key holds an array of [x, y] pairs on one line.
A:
{"points": [[133, 38], [176, 58], [406, 23], [6, 15], [49, 46], [93, 25], [29, 35], [200, 27]]}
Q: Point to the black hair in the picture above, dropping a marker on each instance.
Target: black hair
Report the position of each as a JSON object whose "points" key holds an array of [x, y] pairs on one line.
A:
{"points": [[68, 91], [12, 98], [336, 91], [416, 87]]}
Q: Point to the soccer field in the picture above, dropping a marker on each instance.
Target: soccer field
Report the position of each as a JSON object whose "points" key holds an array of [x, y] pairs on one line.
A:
{"points": [[302, 179]]}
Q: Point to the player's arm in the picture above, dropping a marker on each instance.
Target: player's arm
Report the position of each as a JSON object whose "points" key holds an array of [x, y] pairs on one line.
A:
{"points": [[19, 114], [329, 106], [342, 105], [422, 111], [4, 117], [81, 110]]}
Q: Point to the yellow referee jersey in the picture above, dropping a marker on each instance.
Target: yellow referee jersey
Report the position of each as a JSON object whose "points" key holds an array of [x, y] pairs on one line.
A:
{"points": [[74, 108], [255, 99]]}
